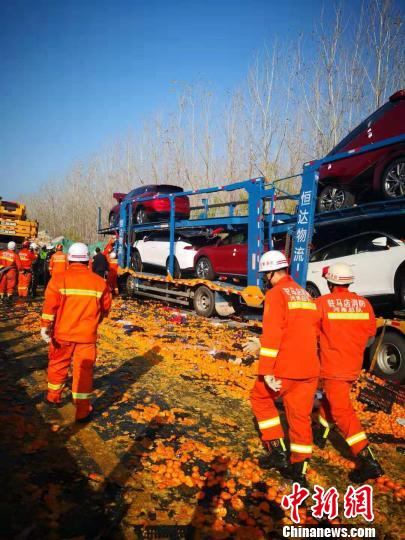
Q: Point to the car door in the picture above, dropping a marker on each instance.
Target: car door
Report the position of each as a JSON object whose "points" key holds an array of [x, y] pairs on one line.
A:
{"points": [[374, 264], [231, 255], [159, 249]]}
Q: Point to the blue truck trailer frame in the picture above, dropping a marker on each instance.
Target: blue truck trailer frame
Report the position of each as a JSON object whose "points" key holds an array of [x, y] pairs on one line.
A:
{"points": [[259, 193]]}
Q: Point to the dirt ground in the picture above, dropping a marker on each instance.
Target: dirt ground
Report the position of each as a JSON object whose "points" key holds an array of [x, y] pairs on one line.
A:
{"points": [[172, 450]]}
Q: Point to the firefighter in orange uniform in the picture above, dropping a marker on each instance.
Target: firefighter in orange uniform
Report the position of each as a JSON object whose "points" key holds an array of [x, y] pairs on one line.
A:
{"points": [[58, 262], [347, 324], [288, 368], [10, 265], [27, 257], [76, 301], [113, 273]]}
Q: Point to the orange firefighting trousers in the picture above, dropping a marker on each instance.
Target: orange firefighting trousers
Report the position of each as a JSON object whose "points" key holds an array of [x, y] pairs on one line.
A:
{"points": [[8, 281], [336, 408], [298, 398], [24, 280], [83, 355], [112, 282]]}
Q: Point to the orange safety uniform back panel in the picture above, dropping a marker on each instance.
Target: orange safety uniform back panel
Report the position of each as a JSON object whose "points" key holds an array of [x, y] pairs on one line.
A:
{"points": [[58, 263], [10, 258], [347, 322], [75, 303], [27, 257], [290, 332]]}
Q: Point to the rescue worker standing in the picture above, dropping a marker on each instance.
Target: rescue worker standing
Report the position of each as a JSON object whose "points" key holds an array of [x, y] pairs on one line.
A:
{"points": [[288, 368], [10, 264], [347, 323], [37, 270], [100, 264], [113, 273], [27, 258], [76, 301], [58, 263]]}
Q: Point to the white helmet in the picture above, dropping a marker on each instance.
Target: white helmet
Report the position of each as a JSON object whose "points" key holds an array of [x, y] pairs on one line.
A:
{"points": [[78, 252], [272, 260], [33, 245], [113, 255], [340, 274], [11, 245]]}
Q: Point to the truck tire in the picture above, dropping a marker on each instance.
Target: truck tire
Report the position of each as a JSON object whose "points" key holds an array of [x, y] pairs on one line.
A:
{"points": [[130, 285], [204, 301], [390, 364]]}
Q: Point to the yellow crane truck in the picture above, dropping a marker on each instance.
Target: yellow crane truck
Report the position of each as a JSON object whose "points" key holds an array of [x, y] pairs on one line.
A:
{"points": [[14, 224]]}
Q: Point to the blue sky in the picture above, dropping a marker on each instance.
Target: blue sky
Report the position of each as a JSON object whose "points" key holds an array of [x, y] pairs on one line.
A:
{"points": [[75, 73]]}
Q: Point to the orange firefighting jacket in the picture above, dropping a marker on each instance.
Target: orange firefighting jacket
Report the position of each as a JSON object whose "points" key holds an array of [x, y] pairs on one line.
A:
{"points": [[27, 257], [10, 258], [290, 332], [58, 263], [347, 322], [76, 301]]}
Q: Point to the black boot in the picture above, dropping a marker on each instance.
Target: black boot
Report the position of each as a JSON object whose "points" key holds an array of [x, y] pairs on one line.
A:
{"points": [[276, 457], [9, 300], [320, 435], [298, 472], [367, 467]]}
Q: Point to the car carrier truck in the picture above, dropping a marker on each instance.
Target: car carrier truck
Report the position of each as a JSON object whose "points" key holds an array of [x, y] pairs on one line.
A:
{"points": [[262, 220]]}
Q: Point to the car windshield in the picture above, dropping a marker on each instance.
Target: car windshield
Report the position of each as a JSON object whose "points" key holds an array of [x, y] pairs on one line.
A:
{"points": [[167, 189]]}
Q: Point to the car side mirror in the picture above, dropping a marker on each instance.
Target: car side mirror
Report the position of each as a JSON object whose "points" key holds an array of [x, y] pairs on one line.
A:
{"points": [[146, 238], [380, 242]]}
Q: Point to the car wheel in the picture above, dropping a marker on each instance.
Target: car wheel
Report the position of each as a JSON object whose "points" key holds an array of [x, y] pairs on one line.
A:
{"points": [[334, 198], [204, 301], [112, 220], [393, 179], [313, 290], [399, 286], [390, 364], [177, 270], [137, 264], [204, 270], [141, 216]]}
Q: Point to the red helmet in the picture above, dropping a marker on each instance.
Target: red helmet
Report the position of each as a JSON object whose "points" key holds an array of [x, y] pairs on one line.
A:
{"points": [[59, 247], [26, 244]]}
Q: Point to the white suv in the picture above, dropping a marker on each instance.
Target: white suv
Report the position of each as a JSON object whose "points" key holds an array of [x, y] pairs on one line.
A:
{"points": [[154, 249], [377, 260]]}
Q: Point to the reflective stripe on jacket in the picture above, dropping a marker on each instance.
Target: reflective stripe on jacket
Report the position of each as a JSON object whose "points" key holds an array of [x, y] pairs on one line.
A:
{"points": [[347, 322], [75, 303], [290, 332]]}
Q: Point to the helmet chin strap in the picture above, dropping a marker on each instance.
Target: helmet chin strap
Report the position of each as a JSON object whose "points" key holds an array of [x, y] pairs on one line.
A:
{"points": [[267, 280]]}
